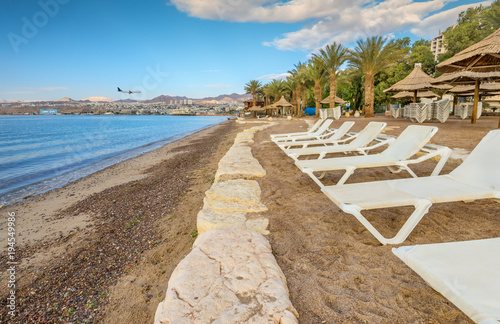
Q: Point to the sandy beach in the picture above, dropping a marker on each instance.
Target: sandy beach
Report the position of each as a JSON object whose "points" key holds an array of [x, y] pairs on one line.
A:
{"points": [[102, 249]]}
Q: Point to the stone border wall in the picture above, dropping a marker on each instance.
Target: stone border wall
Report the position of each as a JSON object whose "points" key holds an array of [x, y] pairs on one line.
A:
{"points": [[231, 275]]}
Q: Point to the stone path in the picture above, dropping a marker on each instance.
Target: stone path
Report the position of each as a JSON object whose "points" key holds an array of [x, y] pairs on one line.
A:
{"points": [[231, 275]]}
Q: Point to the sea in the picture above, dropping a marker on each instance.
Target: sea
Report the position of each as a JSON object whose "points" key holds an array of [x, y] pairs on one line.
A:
{"points": [[40, 153]]}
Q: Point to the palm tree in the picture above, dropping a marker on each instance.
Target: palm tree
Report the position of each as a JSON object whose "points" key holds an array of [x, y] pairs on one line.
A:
{"points": [[372, 56], [299, 77], [332, 56], [289, 86], [253, 87], [316, 72]]}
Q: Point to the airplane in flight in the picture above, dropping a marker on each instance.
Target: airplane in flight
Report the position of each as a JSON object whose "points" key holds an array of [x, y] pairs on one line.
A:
{"points": [[127, 91]]}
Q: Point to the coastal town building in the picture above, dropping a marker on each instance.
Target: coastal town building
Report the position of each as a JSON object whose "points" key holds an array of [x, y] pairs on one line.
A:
{"points": [[437, 45]]}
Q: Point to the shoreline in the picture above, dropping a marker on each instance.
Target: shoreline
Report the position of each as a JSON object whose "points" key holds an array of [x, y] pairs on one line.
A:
{"points": [[67, 222]]}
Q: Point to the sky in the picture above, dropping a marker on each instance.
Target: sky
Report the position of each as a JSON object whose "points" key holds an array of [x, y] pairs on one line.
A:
{"points": [[50, 49]]}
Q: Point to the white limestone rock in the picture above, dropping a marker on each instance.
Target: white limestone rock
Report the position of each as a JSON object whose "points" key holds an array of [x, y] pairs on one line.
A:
{"points": [[230, 276], [239, 163], [209, 219]]}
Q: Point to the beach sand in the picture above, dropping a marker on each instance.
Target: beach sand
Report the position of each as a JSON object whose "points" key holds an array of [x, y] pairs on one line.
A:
{"points": [[337, 272], [102, 249]]}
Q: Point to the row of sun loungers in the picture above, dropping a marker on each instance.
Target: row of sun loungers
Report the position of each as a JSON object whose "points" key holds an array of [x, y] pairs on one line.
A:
{"points": [[467, 273]]}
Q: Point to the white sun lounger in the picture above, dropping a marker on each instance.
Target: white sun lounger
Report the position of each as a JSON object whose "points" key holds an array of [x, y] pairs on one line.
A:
{"points": [[466, 273], [398, 154], [336, 137], [476, 178], [358, 145], [321, 132], [311, 130]]}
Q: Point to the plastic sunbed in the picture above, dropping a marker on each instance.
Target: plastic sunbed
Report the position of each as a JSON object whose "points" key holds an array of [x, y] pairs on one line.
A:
{"points": [[311, 130], [336, 137], [358, 145], [466, 273], [476, 178], [398, 154], [321, 132]]}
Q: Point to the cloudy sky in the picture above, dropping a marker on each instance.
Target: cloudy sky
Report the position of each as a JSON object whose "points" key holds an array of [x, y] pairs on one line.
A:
{"points": [[196, 48]]}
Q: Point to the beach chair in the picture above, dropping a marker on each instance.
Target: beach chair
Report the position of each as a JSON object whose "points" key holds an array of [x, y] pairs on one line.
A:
{"points": [[399, 153], [333, 138], [359, 144], [311, 130], [466, 273], [395, 112], [476, 178], [420, 112], [321, 132]]}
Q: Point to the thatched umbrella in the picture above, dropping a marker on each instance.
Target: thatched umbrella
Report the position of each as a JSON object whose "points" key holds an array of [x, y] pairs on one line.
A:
{"points": [[416, 81], [478, 59], [420, 94], [484, 88], [337, 100], [468, 78], [282, 103]]}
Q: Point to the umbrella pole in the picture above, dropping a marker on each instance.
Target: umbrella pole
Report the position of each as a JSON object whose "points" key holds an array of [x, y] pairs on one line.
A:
{"points": [[476, 99], [415, 96]]}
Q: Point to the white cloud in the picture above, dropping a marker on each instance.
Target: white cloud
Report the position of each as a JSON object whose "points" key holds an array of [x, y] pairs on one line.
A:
{"points": [[275, 76], [441, 21], [218, 85], [333, 20]]}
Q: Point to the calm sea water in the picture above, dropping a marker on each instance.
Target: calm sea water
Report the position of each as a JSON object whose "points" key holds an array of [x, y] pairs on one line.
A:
{"points": [[39, 153]]}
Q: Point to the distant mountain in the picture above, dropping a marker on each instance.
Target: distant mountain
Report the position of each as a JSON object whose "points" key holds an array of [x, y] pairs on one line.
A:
{"points": [[1, 100], [97, 99], [224, 98], [65, 99], [166, 98]]}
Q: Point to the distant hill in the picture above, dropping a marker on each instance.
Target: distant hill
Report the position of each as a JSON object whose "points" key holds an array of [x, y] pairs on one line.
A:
{"points": [[97, 99], [66, 99], [1, 100], [224, 98]]}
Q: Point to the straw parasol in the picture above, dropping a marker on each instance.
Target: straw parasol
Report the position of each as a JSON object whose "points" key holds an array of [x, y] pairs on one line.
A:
{"points": [[408, 94], [484, 87], [475, 63], [468, 78], [484, 56], [282, 103], [337, 100], [416, 81]]}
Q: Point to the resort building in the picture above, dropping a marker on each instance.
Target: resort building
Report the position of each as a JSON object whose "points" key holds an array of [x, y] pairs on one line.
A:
{"points": [[437, 45]]}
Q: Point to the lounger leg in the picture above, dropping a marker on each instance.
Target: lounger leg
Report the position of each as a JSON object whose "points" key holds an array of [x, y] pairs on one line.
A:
{"points": [[444, 157], [348, 171], [315, 179], [421, 208]]}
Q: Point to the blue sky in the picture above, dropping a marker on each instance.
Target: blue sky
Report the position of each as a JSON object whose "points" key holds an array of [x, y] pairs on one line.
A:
{"points": [[52, 49]]}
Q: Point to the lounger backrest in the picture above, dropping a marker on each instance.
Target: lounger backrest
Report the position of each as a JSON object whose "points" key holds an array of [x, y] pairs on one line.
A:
{"points": [[409, 142], [315, 126], [341, 131], [323, 127], [482, 164], [368, 134]]}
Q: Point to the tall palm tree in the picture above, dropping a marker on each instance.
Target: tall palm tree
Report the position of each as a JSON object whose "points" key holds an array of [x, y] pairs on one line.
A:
{"points": [[289, 86], [332, 56], [316, 72], [253, 87], [299, 77], [276, 88], [372, 56]]}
